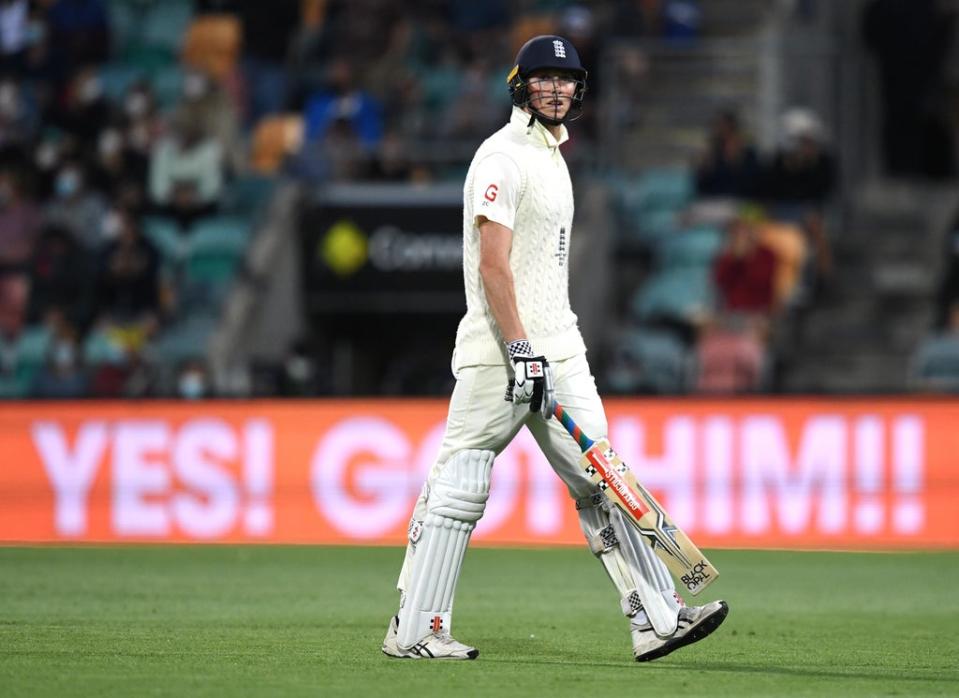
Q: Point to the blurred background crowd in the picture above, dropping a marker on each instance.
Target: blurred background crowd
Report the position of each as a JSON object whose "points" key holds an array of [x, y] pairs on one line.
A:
{"points": [[766, 195]]}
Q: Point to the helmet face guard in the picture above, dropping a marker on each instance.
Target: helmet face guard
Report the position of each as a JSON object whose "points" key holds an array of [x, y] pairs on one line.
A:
{"points": [[547, 53]]}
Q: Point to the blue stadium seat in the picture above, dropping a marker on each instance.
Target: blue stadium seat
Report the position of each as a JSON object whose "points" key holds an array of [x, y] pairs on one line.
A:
{"points": [[187, 339], [684, 294], [248, 195], [692, 247], [654, 361], [166, 236], [936, 364]]}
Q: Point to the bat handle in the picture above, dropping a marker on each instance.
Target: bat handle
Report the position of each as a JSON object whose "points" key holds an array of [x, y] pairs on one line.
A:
{"points": [[572, 427]]}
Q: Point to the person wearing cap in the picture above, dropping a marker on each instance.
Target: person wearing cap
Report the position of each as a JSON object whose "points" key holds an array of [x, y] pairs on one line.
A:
{"points": [[519, 328]]}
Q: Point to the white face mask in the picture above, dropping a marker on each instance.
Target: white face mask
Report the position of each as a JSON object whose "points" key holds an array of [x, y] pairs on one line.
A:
{"points": [[136, 104], [64, 355], [192, 386], [90, 90]]}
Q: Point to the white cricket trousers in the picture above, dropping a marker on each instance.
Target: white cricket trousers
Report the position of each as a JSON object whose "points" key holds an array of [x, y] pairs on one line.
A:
{"points": [[480, 418]]}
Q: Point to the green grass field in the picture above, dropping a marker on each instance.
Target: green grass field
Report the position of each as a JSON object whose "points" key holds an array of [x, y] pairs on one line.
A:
{"points": [[291, 621]]}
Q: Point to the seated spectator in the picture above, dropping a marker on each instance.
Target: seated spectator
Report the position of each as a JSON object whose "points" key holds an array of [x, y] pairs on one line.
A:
{"points": [[128, 287], [76, 207], [85, 108], [193, 381], [207, 104], [17, 123], [79, 31], [59, 277], [20, 221], [802, 171], [730, 357], [343, 100], [63, 375], [948, 293], [186, 173], [116, 164], [729, 167], [935, 364], [744, 271]]}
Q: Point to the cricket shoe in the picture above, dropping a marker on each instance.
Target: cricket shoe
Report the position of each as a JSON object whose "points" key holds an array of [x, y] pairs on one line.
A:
{"points": [[695, 623], [433, 646]]}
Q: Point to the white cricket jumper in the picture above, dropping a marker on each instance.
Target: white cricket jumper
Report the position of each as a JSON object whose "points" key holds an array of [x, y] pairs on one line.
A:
{"points": [[518, 178]]}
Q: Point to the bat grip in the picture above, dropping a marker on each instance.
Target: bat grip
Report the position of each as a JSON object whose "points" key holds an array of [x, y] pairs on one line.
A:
{"points": [[572, 427]]}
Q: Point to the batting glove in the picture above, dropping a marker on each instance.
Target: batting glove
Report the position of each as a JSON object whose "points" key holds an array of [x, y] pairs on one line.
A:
{"points": [[529, 373]]}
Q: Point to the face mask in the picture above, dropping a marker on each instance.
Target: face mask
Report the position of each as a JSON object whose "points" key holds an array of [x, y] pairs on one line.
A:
{"points": [[9, 101], [136, 104], [47, 156], [90, 90], [64, 355], [67, 184], [112, 225], [195, 86], [110, 143], [192, 386]]}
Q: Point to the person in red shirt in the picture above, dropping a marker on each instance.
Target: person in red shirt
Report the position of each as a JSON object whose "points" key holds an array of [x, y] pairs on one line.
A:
{"points": [[744, 271]]}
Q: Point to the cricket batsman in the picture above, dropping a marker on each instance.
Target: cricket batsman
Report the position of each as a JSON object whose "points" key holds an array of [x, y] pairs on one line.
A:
{"points": [[517, 224]]}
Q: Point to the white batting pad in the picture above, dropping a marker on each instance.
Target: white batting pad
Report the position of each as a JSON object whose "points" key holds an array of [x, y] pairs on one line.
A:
{"points": [[456, 501], [636, 572]]}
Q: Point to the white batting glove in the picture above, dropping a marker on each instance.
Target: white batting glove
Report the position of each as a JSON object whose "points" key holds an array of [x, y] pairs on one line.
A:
{"points": [[529, 373]]}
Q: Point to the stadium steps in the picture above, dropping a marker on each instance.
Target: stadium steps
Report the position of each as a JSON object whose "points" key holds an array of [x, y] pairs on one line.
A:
{"points": [[888, 263]]}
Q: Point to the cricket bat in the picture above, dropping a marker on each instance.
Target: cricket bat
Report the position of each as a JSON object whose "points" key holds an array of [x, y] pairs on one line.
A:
{"points": [[639, 507]]}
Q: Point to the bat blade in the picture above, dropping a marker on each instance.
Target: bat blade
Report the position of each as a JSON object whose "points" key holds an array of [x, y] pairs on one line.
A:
{"points": [[641, 509]]}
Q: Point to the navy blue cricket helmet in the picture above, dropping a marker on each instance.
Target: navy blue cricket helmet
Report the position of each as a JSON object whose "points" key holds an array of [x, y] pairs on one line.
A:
{"points": [[544, 53]]}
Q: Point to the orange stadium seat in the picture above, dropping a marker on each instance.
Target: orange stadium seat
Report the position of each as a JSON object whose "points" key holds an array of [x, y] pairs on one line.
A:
{"points": [[274, 138], [212, 44]]}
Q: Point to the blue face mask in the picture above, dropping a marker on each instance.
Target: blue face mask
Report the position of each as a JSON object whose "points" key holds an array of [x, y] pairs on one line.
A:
{"points": [[192, 386], [67, 184]]}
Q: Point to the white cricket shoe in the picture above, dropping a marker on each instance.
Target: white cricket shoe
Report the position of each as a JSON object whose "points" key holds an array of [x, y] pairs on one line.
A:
{"points": [[433, 646], [695, 623]]}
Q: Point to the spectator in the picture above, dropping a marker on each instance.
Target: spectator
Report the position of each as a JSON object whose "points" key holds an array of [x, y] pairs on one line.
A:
{"points": [[729, 167], [186, 173], [745, 271], [193, 381], [14, 33], [206, 104], [84, 109], [63, 375], [802, 171], [76, 207], [128, 281], [948, 294], [116, 164], [79, 32], [59, 277], [20, 221], [269, 30], [344, 101], [910, 39]]}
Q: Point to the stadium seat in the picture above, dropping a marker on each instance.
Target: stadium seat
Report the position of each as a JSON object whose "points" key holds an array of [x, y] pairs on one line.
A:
{"points": [[117, 78], [789, 245], [99, 348], [247, 195], [692, 247], [147, 34], [935, 365], [651, 361], [167, 83], [212, 45], [729, 362], [219, 234], [166, 236], [187, 339], [25, 356], [685, 294], [274, 138]]}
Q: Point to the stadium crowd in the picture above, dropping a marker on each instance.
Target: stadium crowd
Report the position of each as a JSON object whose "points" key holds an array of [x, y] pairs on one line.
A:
{"points": [[139, 140]]}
